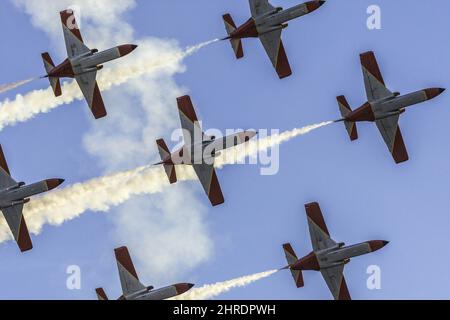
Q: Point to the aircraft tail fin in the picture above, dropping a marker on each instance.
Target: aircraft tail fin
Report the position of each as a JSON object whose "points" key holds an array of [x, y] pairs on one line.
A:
{"points": [[101, 295], [345, 109], [292, 258], [230, 26], [54, 81], [169, 167]]}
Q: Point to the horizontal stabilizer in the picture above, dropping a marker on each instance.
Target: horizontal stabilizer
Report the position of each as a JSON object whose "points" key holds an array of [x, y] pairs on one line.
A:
{"points": [[236, 44], [292, 258], [48, 62], [169, 167], [345, 109], [54, 81]]}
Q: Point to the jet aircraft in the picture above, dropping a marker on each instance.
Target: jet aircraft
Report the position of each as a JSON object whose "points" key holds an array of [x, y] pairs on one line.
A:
{"points": [[384, 107], [13, 196], [133, 289], [82, 64], [267, 23], [328, 256], [199, 150]]}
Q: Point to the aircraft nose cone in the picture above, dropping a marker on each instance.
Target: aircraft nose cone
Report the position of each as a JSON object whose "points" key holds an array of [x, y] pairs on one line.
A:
{"points": [[433, 92], [53, 183], [314, 5], [247, 136], [183, 287], [377, 244], [126, 49]]}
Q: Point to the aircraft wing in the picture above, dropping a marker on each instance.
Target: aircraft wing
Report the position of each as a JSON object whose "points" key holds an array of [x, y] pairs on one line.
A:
{"points": [[13, 215], [260, 7], [189, 121], [88, 85], [275, 50], [16, 222], [393, 138], [334, 277], [128, 277], [208, 178], [72, 36], [205, 172], [320, 237], [373, 80], [5, 177]]}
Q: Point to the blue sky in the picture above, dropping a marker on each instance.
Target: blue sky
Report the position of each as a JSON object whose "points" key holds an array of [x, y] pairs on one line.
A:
{"points": [[363, 194]]}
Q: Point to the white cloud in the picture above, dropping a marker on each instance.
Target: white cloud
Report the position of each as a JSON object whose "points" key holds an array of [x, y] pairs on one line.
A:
{"points": [[176, 236], [167, 229], [139, 111], [102, 20]]}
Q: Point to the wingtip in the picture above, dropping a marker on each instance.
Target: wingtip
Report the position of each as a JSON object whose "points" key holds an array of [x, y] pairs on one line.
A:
{"points": [[26, 248], [218, 202], [184, 98], [370, 52], [314, 204]]}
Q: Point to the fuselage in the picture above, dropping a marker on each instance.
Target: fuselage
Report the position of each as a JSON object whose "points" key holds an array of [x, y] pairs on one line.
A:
{"points": [[391, 106], [89, 61], [280, 16], [162, 293], [335, 256], [201, 152], [21, 193], [274, 20]]}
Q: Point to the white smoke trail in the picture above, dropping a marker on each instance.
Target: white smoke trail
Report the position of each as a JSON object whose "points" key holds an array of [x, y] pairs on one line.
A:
{"points": [[101, 194], [162, 230], [210, 291], [98, 195], [6, 87], [25, 107], [253, 147]]}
